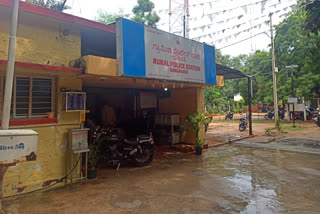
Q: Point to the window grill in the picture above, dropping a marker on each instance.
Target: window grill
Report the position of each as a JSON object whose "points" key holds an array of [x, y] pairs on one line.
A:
{"points": [[32, 97]]}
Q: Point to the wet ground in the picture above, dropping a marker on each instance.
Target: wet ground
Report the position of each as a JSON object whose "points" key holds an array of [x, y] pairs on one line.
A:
{"points": [[292, 145], [230, 179], [221, 131]]}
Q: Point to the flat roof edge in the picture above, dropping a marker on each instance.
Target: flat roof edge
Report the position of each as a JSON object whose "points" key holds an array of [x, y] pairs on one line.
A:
{"points": [[36, 9], [42, 67]]}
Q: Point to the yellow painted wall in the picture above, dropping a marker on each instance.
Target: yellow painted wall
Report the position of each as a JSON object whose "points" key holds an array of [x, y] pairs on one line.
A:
{"points": [[184, 101], [1, 93], [100, 65], [44, 42], [50, 163], [52, 151], [51, 43], [220, 81]]}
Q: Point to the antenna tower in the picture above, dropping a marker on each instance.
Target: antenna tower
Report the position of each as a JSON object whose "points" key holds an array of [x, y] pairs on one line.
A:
{"points": [[179, 16]]}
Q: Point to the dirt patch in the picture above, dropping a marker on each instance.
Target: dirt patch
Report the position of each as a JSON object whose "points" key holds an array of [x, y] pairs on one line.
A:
{"points": [[219, 132]]}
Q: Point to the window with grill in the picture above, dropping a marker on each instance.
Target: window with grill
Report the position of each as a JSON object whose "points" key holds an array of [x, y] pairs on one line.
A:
{"points": [[32, 97]]}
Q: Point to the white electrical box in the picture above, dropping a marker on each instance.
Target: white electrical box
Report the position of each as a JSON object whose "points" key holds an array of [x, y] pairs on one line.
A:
{"points": [[78, 140], [175, 138], [18, 145]]}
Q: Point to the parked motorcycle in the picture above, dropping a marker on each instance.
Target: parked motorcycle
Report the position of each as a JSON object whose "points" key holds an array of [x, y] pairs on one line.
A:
{"points": [[281, 113], [269, 115], [311, 113], [229, 115], [297, 115], [243, 123], [316, 117], [115, 148]]}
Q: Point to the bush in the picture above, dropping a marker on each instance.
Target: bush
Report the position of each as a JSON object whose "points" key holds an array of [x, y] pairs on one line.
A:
{"points": [[210, 109], [278, 125], [216, 110], [195, 122]]}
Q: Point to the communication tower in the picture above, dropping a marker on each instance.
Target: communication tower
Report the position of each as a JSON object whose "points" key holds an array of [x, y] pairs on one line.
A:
{"points": [[179, 16]]}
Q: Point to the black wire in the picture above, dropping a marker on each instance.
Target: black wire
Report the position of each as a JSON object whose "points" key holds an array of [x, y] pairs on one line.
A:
{"points": [[57, 182], [243, 40]]}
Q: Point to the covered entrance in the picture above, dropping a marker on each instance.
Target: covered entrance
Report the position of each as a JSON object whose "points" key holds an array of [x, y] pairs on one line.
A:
{"points": [[140, 106]]}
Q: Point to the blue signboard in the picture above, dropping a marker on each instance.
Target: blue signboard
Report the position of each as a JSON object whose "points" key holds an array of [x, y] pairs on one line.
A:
{"points": [[151, 53]]}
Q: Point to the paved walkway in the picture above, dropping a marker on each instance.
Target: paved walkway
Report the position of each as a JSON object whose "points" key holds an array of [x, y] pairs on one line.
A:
{"points": [[230, 179]]}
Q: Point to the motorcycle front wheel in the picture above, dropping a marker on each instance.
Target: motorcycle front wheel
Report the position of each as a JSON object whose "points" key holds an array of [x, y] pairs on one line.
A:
{"points": [[266, 117], [144, 158], [242, 127]]}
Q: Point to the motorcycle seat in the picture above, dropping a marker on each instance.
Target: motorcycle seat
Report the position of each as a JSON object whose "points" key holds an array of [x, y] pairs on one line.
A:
{"points": [[131, 141], [143, 137]]}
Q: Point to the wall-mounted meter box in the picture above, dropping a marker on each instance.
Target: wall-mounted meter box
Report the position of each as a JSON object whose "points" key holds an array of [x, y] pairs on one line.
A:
{"points": [[78, 140], [18, 145]]}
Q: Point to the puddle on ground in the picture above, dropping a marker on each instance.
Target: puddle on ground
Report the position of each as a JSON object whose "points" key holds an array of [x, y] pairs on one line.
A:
{"points": [[294, 145], [270, 181], [299, 142], [228, 180]]}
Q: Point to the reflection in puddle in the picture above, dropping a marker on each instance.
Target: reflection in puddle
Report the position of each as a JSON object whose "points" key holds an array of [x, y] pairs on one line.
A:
{"points": [[260, 199], [268, 181]]}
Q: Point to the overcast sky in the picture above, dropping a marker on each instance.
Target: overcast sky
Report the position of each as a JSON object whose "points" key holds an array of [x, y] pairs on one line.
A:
{"points": [[217, 22]]}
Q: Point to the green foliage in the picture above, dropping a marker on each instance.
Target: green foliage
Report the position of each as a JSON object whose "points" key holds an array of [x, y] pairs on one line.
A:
{"points": [[292, 128], [107, 18], [196, 121], [95, 153], [268, 131], [278, 125], [222, 97], [312, 7], [143, 13], [259, 64], [52, 4], [93, 156], [292, 46]]}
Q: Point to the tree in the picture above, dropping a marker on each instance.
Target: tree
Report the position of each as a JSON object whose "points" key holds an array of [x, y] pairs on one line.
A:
{"points": [[312, 8], [293, 46], [259, 65], [222, 97], [143, 13], [52, 4], [107, 18]]}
